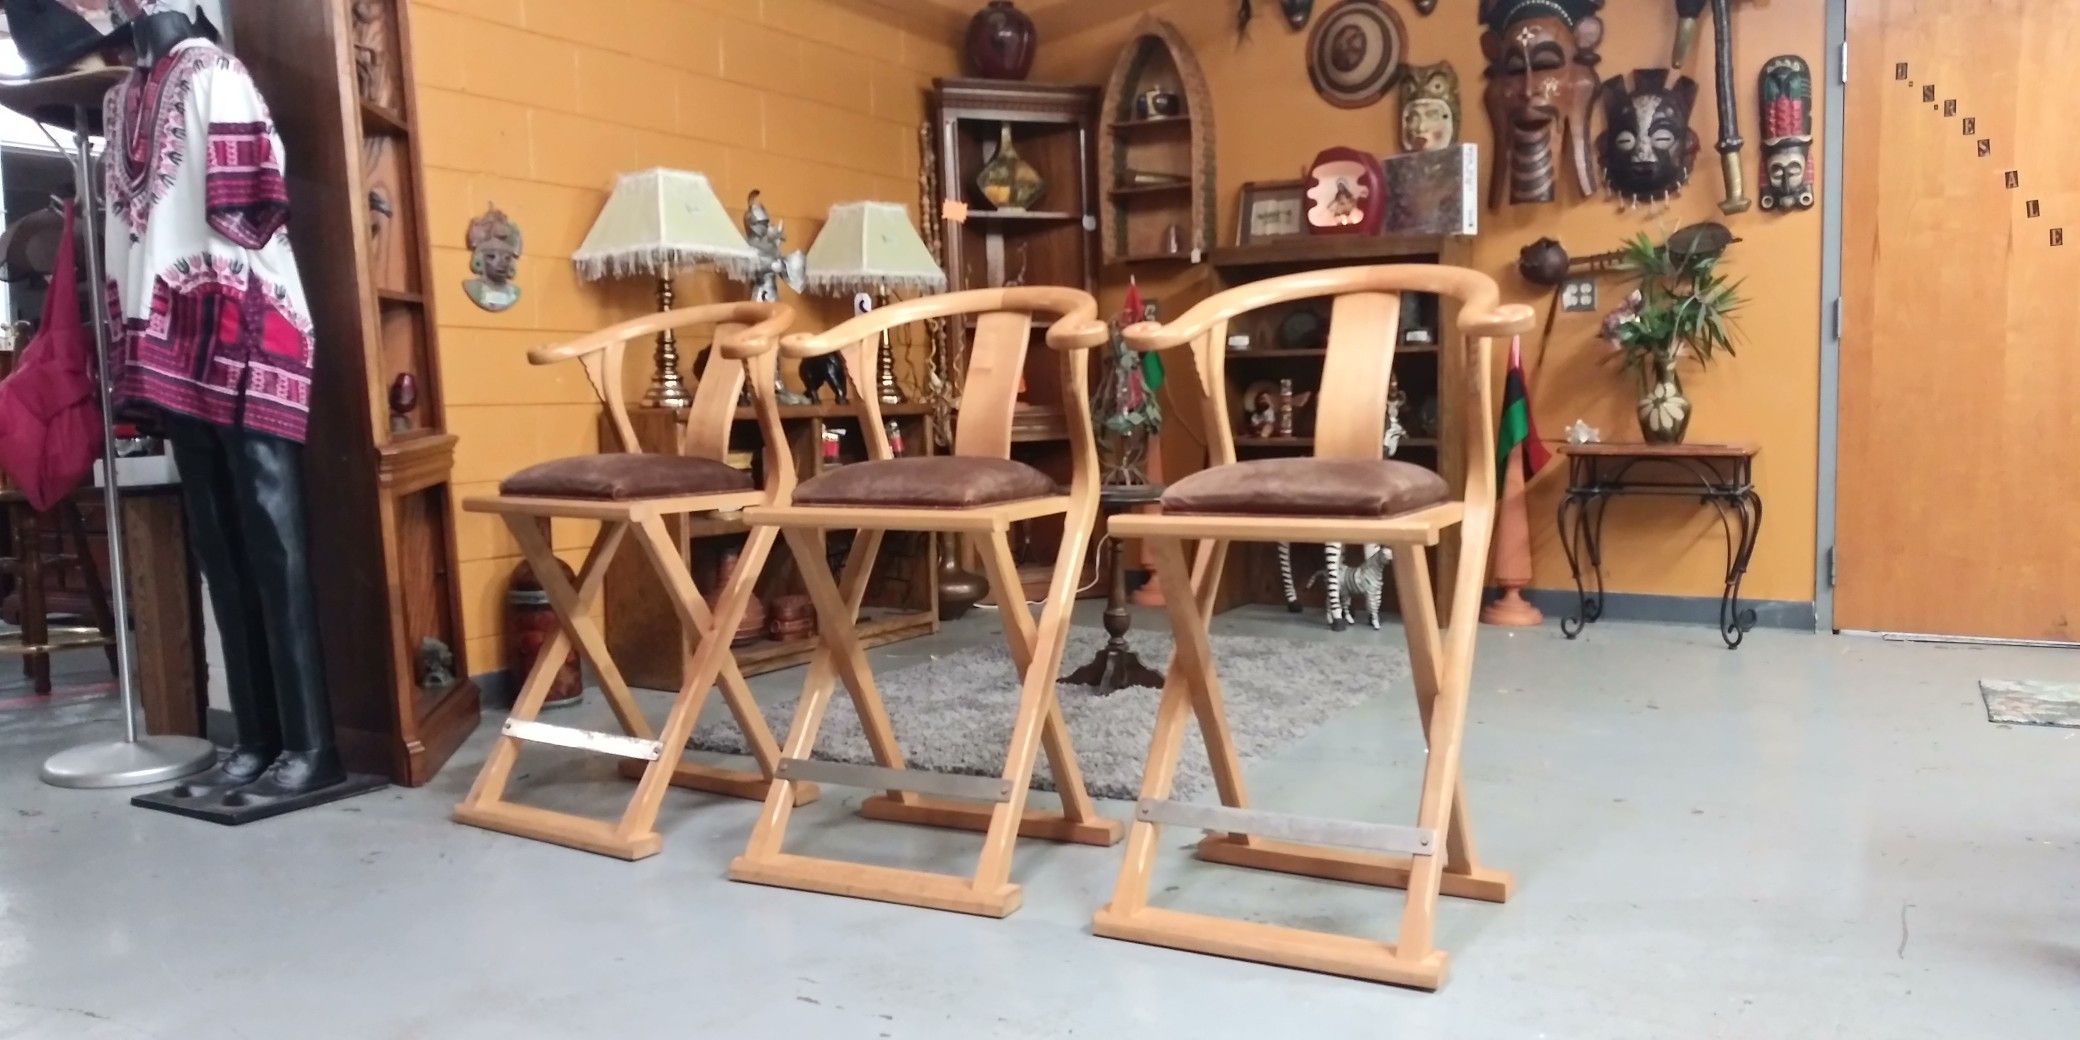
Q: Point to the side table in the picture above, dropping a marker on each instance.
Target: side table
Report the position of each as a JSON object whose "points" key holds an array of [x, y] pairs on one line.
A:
{"points": [[1719, 475], [1116, 665]]}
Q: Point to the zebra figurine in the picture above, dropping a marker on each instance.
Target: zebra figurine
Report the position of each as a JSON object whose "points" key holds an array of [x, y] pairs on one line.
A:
{"points": [[1333, 553], [1364, 580]]}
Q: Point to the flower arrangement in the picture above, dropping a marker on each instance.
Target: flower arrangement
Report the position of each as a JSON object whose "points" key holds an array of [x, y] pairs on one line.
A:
{"points": [[1681, 307]]}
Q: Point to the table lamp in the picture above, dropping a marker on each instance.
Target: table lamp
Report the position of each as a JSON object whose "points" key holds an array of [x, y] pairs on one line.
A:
{"points": [[656, 223], [871, 247]]}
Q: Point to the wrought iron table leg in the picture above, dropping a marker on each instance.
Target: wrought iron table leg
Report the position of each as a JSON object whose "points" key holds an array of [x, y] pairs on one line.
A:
{"points": [[1582, 543], [1734, 621]]}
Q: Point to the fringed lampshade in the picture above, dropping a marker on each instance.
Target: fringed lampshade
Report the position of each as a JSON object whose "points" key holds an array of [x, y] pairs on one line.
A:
{"points": [[871, 247], [656, 223]]}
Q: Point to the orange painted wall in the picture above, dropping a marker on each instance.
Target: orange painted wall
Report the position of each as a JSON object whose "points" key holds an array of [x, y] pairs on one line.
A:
{"points": [[535, 105], [1270, 122]]}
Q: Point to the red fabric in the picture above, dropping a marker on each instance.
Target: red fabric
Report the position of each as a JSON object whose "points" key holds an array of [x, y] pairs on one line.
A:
{"points": [[50, 422]]}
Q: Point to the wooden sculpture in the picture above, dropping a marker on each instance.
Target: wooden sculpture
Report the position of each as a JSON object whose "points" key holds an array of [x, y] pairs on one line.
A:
{"points": [[1429, 108], [1647, 147], [1730, 143], [1541, 81], [1350, 495], [1787, 133]]}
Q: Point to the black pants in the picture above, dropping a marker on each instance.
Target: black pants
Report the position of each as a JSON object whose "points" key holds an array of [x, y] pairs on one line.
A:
{"points": [[243, 495]]}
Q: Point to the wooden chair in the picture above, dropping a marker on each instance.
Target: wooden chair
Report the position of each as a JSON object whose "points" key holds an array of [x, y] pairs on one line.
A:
{"points": [[1344, 493], [979, 492], [633, 493]]}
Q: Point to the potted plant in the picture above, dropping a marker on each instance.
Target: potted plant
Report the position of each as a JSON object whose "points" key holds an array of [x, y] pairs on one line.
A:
{"points": [[1681, 307]]}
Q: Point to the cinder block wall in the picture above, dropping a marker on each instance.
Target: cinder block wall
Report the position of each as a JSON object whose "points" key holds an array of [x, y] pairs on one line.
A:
{"points": [[536, 105]]}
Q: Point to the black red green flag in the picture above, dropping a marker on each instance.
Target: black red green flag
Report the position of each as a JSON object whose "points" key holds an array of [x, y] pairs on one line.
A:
{"points": [[1517, 425]]}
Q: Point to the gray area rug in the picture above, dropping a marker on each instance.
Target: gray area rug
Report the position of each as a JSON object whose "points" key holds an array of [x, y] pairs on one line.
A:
{"points": [[953, 714], [2031, 703]]}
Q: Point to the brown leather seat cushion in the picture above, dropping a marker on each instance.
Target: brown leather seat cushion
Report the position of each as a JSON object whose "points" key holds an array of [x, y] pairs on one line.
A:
{"points": [[934, 481], [1307, 487], [619, 477]]}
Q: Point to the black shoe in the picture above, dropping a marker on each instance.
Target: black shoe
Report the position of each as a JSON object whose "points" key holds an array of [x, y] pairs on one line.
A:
{"points": [[293, 775], [242, 765]]}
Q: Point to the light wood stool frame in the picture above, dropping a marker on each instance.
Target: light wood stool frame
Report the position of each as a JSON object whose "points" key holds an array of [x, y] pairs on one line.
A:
{"points": [[1437, 855], [747, 355], [995, 806]]}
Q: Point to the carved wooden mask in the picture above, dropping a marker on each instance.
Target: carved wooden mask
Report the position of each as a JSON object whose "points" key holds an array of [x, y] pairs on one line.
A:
{"points": [[1429, 108], [1647, 146], [1787, 134], [1541, 81]]}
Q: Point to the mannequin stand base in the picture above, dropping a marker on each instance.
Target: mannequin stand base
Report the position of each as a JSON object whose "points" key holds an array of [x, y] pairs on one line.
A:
{"points": [[215, 811]]}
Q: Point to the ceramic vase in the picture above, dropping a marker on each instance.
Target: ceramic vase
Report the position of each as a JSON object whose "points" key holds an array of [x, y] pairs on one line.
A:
{"points": [[959, 590], [530, 622], [1664, 411], [1001, 42], [1007, 181]]}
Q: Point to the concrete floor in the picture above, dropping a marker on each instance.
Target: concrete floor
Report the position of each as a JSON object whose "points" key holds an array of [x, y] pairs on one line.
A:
{"points": [[1812, 837]]}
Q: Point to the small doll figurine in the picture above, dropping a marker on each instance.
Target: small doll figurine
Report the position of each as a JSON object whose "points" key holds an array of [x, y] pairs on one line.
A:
{"points": [[1263, 415]]}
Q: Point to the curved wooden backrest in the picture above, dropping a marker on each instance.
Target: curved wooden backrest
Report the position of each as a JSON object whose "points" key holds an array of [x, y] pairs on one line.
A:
{"points": [[996, 360], [1364, 323], [748, 333]]}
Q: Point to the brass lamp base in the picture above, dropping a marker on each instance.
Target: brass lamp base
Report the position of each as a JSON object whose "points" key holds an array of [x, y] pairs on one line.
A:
{"points": [[667, 389]]}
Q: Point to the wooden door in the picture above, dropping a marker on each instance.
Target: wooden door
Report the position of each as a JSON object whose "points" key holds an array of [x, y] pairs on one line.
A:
{"points": [[1960, 373]]}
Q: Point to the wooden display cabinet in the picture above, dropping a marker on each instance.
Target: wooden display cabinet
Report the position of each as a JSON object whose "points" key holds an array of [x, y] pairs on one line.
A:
{"points": [[1054, 242], [902, 602], [1420, 369], [337, 74]]}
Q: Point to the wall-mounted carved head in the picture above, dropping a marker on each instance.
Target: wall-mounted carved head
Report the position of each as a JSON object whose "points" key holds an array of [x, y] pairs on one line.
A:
{"points": [[1787, 133], [1647, 145], [1429, 107], [1541, 80]]}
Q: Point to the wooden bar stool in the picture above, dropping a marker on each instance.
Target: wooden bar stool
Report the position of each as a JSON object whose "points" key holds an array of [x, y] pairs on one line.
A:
{"points": [[977, 491], [1344, 493], [633, 493]]}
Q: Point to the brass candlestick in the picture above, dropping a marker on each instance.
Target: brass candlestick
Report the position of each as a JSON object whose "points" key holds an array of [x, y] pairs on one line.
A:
{"points": [[667, 390]]}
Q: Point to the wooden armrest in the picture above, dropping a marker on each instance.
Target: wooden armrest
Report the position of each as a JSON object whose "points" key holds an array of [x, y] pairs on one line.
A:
{"points": [[740, 313], [757, 340], [1481, 311], [1071, 305]]}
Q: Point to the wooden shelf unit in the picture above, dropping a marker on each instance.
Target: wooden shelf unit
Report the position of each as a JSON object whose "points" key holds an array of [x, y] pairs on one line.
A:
{"points": [[1421, 369], [384, 571], [1055, 129], [1138, 216], [642, 630]]}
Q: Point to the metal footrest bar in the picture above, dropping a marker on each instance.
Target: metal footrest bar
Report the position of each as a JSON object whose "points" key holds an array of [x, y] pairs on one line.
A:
{"points": [[583, 740], [882, 778], [1349, 834]]}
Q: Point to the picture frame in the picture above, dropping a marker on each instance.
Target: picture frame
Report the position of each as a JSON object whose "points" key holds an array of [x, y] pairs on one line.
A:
{"points": [[1271, 210]]}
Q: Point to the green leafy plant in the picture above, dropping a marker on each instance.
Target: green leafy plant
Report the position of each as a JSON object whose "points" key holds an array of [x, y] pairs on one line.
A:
{"points": [[1680, 304]]}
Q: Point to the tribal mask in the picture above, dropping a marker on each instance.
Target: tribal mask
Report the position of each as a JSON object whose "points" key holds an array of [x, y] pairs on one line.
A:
{"points": [[1541, 80], [1429, 108], [1787, 133], [1647, 145]]}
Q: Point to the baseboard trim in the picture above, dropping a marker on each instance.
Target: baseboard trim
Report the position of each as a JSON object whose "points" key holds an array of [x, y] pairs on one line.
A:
{"points": [[1683, 610]]}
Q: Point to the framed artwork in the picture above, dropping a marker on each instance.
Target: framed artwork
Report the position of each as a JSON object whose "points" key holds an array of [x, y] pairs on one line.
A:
{"points": [[1271, 210]]}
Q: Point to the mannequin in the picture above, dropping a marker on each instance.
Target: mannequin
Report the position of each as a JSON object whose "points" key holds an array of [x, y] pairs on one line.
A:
{"points": [[215, 349]]}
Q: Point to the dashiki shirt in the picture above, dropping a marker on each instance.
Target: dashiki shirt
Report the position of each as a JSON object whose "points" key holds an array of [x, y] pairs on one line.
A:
{"points": [[209, 309]]}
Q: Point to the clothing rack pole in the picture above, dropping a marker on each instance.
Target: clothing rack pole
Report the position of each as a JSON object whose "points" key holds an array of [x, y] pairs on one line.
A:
{"points": [[136, 759]]}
